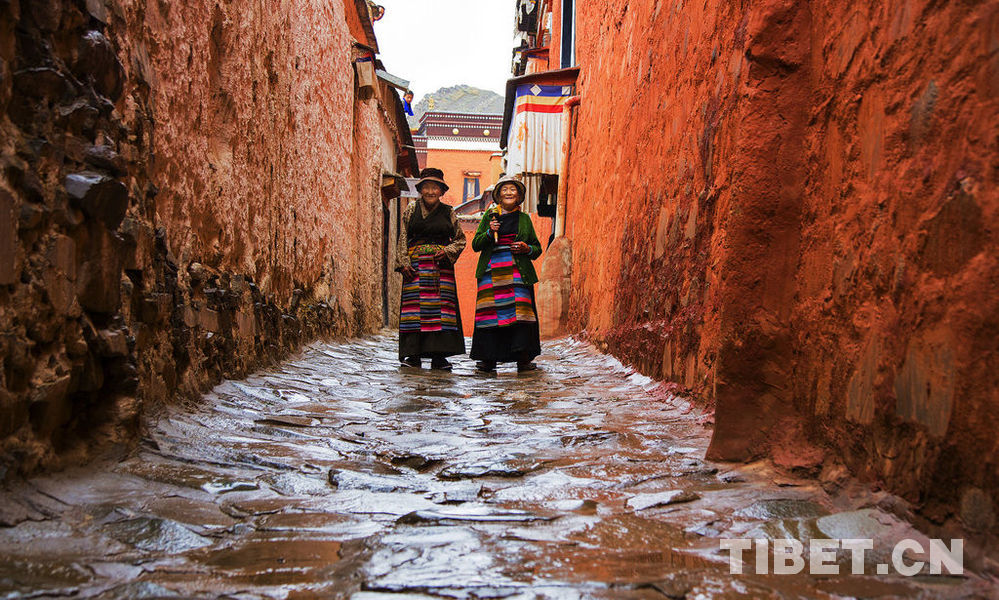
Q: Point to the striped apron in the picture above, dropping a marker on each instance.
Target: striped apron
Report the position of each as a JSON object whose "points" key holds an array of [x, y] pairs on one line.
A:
{"points": [[429, 301], [503, 299]]}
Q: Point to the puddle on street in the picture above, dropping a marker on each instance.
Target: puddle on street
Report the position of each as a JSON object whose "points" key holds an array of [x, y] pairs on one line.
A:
{"points": [[340, 474]]}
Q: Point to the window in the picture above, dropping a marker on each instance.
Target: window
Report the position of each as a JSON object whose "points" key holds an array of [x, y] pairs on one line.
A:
{"points": [[568, 51], [471, 188]]}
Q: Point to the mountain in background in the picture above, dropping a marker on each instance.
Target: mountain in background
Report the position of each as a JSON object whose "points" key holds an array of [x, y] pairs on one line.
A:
{"points": [[459, 98]]}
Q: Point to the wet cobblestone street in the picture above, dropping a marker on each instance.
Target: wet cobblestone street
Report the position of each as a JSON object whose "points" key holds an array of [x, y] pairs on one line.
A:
{"points": [[341, 474]]}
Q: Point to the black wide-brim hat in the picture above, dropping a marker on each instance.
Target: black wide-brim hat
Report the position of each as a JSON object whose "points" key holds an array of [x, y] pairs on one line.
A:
{"points": [[436, 180], [434, 175]]}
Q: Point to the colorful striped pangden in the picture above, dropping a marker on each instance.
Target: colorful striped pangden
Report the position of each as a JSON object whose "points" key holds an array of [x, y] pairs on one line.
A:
{"points": [[430, 301], [503, 298]]}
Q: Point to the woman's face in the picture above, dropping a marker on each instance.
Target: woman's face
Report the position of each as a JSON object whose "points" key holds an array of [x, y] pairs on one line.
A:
{"points": [[431, 193], [509, 196]]}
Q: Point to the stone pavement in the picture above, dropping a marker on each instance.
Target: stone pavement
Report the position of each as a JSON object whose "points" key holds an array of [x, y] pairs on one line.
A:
{"points": [[340, 474]]}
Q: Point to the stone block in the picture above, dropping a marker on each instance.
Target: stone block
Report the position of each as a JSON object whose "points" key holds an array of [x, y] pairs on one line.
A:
{"points": [[112, 343], [45, 14], [98, 285], [239, 285], [554, 288], [31, 216], [198, 274], [104, 157], [29, 183], [76, 343], [100, 197], [156, 308], [79, 118], [91, 375], [62, 255], [246, 324], [50, 407], [60, 290], [13, 413], [41, 83], [8, 239], [78, 185], [208, 319], [41, 327], [98, 62], [141, 240], [98, 10], [190, 317], [121, 375]]}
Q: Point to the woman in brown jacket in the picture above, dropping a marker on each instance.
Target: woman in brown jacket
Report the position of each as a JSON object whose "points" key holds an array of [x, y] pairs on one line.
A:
{"points": [[430, 240]]}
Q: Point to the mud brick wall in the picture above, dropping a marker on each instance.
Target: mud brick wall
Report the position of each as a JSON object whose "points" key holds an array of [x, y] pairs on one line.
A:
{"points": [[790, 208], [187, 190]]}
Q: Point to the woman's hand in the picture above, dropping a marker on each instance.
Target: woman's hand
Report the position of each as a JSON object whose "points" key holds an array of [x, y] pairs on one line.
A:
{"points": [[408, 273], [440, 255], [520, 248], [494, 224]]}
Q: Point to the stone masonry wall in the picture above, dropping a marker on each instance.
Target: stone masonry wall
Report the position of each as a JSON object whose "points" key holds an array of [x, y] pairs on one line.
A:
{"points": [[790, 208], [188, 189]]}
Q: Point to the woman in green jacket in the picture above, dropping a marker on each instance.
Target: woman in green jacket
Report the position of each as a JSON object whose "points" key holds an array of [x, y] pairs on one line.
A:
{"points": [[506, 320]]}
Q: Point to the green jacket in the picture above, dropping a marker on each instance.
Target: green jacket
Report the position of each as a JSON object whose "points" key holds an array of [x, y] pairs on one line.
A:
{"points": [[483, 244]]}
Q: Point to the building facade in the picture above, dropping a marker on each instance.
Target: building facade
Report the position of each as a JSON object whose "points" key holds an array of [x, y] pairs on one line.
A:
{"points": [[462, 145]]}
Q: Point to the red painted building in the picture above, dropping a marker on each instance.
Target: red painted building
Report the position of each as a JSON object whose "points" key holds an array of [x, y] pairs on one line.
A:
{"points": [[461, 145]]}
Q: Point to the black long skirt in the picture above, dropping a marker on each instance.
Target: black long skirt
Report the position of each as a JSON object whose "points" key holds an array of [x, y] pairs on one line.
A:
{"points": [[520, 342], [432, 344], [436, 344]]}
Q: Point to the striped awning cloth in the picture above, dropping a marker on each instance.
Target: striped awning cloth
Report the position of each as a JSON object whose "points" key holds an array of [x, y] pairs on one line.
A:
{"points": [[535, 142]]}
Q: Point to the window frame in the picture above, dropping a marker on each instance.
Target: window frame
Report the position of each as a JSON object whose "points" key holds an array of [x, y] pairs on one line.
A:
{"points": [[567, 51], [465, 195]]}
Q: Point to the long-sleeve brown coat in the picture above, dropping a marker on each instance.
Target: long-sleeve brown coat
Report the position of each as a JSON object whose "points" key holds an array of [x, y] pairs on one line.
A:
{"points": [[453, 249]]}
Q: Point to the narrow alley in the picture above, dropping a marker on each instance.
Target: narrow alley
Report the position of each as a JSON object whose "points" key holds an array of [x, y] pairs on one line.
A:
{"points": [[736, 264], [340, 474]]}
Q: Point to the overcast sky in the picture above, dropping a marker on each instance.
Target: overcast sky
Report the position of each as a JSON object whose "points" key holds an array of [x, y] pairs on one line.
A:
{"points": [[440, 43]]}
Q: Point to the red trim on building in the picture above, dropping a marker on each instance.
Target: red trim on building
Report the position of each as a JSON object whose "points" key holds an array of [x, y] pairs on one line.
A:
{"points": [[539, 108]]}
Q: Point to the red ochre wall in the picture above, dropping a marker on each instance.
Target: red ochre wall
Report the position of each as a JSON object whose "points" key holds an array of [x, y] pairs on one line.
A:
{"points": [[464, 274], [790, 209], [206, 200]]}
